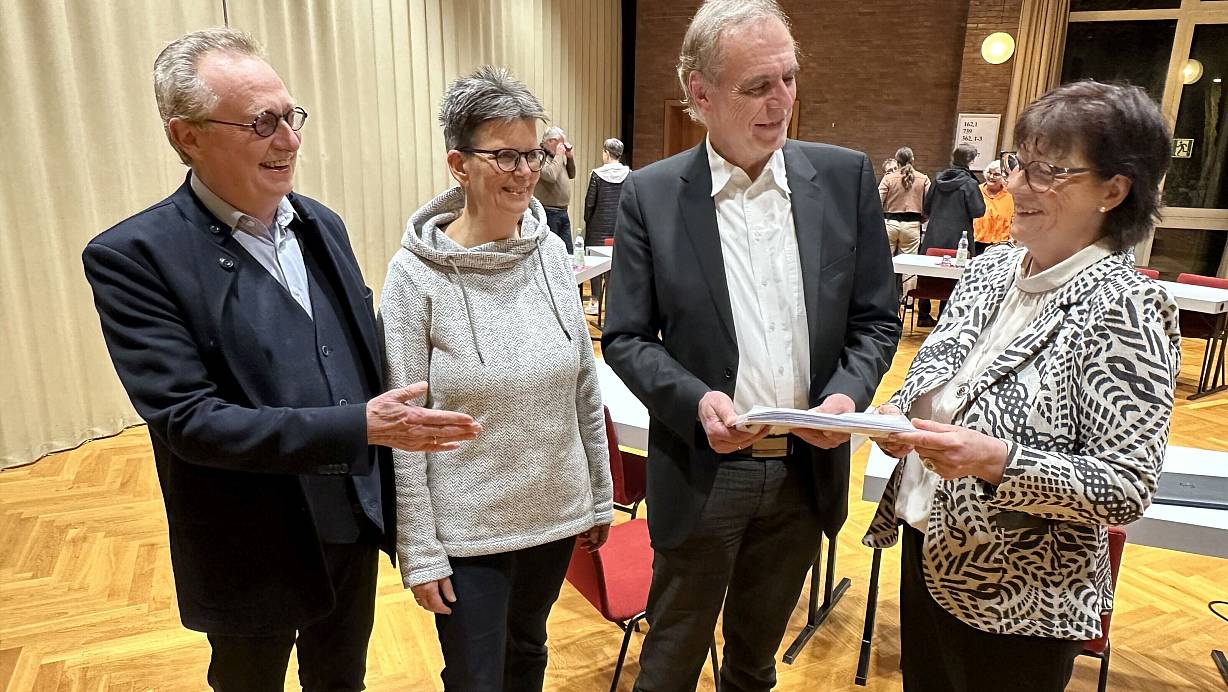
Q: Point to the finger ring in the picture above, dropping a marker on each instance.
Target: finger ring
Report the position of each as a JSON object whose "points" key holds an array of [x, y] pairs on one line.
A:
{"points": [[927, 463]]}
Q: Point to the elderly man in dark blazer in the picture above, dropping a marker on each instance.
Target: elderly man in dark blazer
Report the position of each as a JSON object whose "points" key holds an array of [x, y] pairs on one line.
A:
{"points": [[749, 270], [238, 321]]}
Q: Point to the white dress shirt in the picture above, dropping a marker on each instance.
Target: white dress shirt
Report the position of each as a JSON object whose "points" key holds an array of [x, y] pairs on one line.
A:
{"points": [[276, 248], [1024, 300], [764, 275]]}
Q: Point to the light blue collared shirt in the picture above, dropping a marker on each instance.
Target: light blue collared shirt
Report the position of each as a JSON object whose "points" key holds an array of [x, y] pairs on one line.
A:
{"points": [[276, 248]]}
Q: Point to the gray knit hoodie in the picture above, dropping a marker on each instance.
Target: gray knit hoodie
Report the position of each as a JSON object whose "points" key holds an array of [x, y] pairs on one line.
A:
{"points": [[497, 331]]}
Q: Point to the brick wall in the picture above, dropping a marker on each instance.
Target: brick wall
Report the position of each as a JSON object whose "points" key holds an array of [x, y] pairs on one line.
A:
{"points": [[985, 88], [875, 75]]}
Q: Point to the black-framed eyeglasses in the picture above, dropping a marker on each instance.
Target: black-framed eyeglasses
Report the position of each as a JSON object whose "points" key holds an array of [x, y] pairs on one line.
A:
{"points": [[1041, 176], [265, 124], [508, 160]]}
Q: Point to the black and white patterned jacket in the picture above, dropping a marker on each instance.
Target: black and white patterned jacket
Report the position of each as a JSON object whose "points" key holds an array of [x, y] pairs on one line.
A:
{"points": [[1084, 398]]}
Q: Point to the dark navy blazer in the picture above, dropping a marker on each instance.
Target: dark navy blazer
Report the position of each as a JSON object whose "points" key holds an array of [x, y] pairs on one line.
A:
{"points": [[245, 552]]}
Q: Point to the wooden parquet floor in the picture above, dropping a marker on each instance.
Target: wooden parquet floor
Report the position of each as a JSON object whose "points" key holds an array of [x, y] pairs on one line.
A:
{"points": [[87, 600]]}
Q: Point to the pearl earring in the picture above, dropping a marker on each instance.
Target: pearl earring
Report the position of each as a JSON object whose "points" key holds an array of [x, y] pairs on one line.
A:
{"points": [[1102, 210]]}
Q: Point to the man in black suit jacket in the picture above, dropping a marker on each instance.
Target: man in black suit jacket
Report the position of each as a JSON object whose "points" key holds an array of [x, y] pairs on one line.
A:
{"points": [[749, 270], [239, 323]]}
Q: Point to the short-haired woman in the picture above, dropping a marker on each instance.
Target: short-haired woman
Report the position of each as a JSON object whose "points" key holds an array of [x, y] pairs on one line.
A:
{"points": [[481, 302], [1042, 401]]}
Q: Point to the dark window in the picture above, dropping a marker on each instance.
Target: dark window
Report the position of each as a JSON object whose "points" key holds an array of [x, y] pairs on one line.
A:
{"points": [[1197, 177], [1097, 5], [1134, 52]]}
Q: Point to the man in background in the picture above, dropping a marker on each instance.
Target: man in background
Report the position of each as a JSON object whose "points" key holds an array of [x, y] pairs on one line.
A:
{"points": [[554, 188]]}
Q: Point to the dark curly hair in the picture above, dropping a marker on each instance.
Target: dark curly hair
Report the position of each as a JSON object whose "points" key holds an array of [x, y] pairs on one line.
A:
{"points": [[1120, 131]]}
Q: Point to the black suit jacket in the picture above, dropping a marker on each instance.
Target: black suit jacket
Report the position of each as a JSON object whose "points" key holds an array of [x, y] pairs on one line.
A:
{"points": [[245, 552], [669, 330]]}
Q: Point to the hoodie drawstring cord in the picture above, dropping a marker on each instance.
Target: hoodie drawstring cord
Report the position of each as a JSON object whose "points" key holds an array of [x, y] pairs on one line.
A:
{"points": [[546, 279], [469, 311]]}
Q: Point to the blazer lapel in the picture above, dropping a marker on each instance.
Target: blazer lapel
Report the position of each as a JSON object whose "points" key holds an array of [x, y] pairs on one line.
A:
{"points": [[806, 198], [698, 211]]}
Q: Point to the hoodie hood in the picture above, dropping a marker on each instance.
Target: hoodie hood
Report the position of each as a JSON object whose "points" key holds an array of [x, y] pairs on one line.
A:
{"points": [[613, 172], [953, 179], [424, 235]]}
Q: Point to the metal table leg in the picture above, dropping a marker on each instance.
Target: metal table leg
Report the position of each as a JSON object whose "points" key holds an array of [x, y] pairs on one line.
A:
{"points": [[1212, 378], [832, 593], [867, 634]]}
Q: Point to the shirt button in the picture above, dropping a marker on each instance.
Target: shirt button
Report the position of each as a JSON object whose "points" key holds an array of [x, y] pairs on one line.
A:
{"points": [[961, 390], [326, 351]]}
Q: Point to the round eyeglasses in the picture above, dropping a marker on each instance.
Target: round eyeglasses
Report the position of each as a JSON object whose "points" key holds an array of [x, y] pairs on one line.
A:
{"points": [[508, 160], [265, 124], [1041, 176]]}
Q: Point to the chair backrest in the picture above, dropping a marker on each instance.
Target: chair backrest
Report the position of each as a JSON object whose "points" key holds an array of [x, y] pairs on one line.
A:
{"points": [[1200, 280], [1117, 546], [616, 459], [1198, 325], [1148, 272], [940, 252]]}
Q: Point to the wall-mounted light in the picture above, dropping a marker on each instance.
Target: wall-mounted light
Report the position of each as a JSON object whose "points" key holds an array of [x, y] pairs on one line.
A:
{"points": [[1191, 71], [997, 48]]}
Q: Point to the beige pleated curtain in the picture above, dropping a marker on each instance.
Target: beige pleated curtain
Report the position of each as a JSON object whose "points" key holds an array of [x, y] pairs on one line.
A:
{"points": [[1038, 59], [83, 148]]}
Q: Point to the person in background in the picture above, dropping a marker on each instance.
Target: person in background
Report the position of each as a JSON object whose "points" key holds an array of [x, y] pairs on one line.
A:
{"points": [[902, 193], [554, 186], [605, 184], [481, 302], [238, 321], [890, 166], [995, 225], [951, 204], [1042, 402]]}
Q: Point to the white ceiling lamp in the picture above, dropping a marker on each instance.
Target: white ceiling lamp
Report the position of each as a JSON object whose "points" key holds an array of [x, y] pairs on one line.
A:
{"points": [[997, 48], [1191, 71]]}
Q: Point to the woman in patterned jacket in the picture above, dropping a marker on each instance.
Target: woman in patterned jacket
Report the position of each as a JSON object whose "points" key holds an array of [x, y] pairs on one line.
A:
{"points": [[1042, 401]]}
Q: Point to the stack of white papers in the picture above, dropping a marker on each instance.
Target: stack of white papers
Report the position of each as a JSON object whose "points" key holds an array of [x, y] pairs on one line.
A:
{"points": [[868, 424]]}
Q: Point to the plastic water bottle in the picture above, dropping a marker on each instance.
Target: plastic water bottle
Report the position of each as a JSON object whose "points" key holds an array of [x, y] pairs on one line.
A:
{"points": [[578, 258], [961, 252]]}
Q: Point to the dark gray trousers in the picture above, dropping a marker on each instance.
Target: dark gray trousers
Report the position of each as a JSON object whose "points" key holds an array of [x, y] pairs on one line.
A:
{"points": [[750, 552]]}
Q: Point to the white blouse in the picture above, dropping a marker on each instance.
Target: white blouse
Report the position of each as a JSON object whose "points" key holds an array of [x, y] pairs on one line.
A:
{"points": [[1024, 300]]}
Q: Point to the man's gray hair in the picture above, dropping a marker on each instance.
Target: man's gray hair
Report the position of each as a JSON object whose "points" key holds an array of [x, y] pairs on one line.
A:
{"points": [[490, 93], [552, 132], [614, 147], [178, 88], [701, 47]]}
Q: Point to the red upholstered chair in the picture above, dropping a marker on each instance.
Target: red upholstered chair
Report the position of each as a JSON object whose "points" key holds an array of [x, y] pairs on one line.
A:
{"points": [[615, 578], [1099, 648], [1198, 325], [627, 470], [1148, 272], [928, 288]]}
